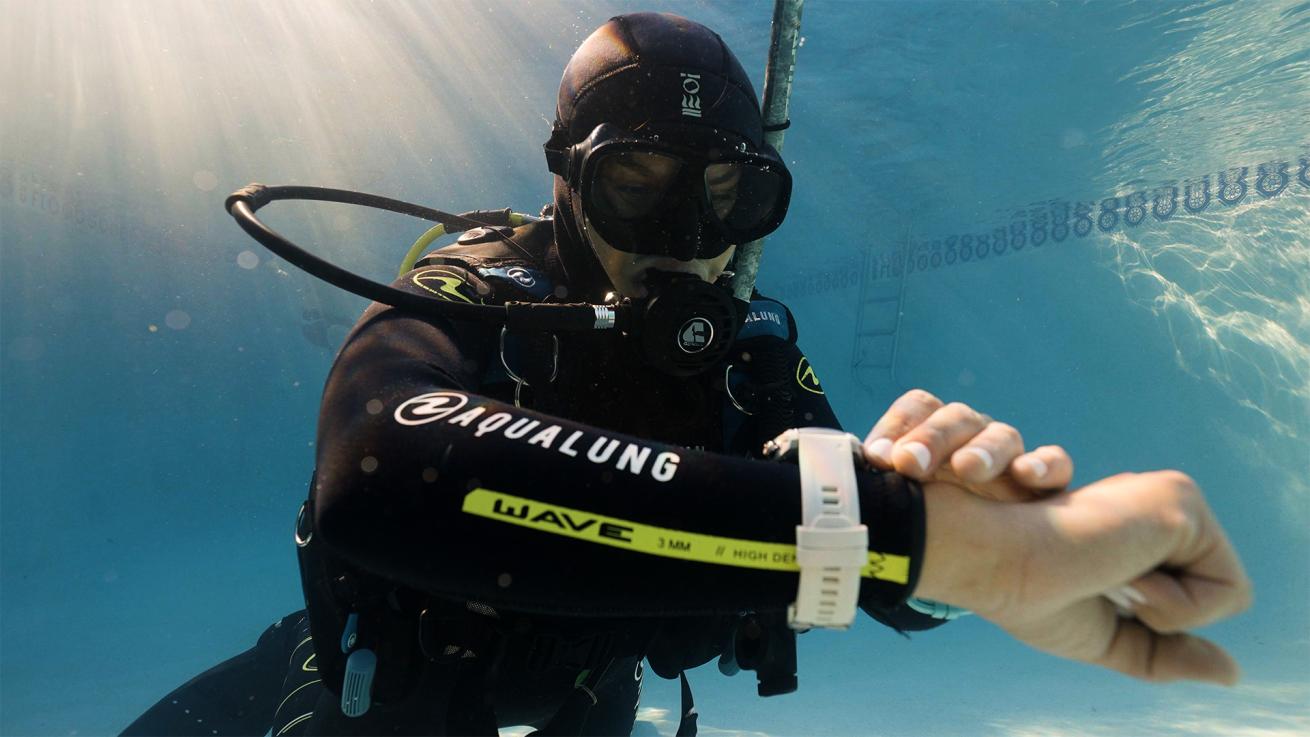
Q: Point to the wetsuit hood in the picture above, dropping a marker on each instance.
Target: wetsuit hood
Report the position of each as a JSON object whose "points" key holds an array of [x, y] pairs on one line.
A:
{"points": [[639, 70], [656, 68]]}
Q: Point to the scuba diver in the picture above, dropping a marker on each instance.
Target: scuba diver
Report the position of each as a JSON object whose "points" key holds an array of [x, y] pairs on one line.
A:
{"points": [[505, 524]]}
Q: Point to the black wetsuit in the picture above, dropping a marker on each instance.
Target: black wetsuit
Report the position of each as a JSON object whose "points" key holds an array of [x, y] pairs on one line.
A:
{"points": [[617, 499]]}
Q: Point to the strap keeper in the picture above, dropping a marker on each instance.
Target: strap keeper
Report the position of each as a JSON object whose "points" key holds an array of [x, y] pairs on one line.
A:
{"points": [[820, 547], [557, 150]]}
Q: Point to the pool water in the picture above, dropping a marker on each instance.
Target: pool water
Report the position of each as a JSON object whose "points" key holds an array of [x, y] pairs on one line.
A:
{"points": [[1087, 219]]}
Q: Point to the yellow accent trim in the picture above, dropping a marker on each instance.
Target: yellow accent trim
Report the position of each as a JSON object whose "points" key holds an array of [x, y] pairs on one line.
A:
{"points": [[299, 645], [660, 541], [294, 722], [293, 693], [449, 283]]}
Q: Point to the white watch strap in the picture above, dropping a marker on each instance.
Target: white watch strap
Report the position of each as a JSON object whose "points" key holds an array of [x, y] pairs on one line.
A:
{"points": [[831, 544]]}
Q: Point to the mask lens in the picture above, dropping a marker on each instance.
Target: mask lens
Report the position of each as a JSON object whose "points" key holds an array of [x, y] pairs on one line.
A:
{"points": [[632, 185], [744, 196], [723, 183]]}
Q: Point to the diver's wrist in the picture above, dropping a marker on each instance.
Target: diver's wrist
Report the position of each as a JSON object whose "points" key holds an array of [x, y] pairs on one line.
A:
{"points": [[964, 535]]}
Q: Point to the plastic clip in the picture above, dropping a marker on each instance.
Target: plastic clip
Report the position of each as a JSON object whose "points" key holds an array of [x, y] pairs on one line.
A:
{"points": [[357, 685]]}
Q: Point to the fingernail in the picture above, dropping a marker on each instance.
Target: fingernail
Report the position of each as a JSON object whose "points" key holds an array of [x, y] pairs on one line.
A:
{"points": [[920, 453], [1133, 594], [983, 455], [1126, 598], [880, 449], [1117, 597], [1036, 465]]}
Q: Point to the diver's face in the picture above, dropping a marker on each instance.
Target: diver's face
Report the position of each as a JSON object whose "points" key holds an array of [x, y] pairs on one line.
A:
{"points": [[628, 271], [631, 184]]}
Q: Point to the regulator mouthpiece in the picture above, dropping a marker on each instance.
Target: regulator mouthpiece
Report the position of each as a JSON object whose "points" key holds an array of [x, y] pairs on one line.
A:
{"points": [[686, 325]]}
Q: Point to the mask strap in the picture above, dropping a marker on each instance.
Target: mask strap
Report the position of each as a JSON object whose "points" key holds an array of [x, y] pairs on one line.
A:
{"points": [[557, 151]]}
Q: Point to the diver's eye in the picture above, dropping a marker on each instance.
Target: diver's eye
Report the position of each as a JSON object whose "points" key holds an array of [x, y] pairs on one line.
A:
{"points": [[632, 198], [722, 181], [635, 190], [638, 173], [632, 185]]}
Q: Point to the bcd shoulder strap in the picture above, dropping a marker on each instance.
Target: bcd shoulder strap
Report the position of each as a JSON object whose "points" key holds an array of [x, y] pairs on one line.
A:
{"points": [[511, 262]]}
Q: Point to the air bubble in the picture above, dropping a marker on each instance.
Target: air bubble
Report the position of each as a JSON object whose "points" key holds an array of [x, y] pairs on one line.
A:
{"points": [[27, 349], [1072, 138], [177, 319], [204, 180]]}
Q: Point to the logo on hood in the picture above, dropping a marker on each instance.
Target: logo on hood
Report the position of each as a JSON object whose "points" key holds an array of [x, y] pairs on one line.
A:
{"points": [[690, 94]]}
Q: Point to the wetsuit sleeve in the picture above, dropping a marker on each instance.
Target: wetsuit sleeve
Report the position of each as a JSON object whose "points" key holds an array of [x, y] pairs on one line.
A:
{"points": [[423, 481]]}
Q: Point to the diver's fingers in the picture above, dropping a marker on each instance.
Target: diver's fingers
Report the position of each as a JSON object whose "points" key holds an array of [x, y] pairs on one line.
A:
{"points": [[987, 454], [908, 411], [1048, 467], [1141, 652], [1201, 579], [1171, 600], [926, 447], [981, 466]]}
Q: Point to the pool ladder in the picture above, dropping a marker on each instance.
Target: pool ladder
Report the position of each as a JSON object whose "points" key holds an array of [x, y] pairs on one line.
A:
{"points": [[877, 327]]}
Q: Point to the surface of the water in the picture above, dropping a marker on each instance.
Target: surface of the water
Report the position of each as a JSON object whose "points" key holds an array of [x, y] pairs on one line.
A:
{"points": [[1089, 219]]}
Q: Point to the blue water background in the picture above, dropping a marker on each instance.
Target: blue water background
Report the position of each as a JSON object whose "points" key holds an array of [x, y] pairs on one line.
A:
{"points": [[160, 372]]}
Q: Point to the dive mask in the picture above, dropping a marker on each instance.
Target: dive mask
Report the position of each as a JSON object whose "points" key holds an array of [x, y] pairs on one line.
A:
{"points": [[688, 194]]}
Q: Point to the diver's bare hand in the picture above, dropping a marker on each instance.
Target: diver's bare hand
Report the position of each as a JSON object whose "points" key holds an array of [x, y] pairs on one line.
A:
{"points": [[1039, 571], [928, 440]]}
